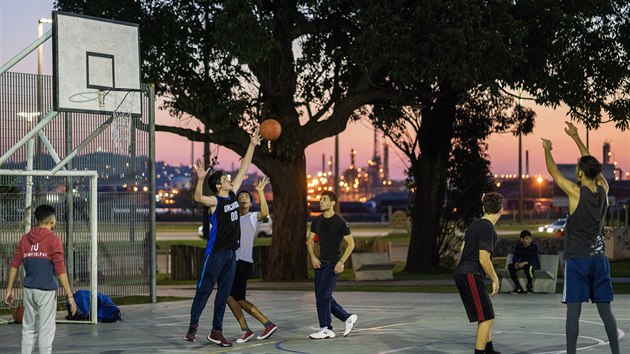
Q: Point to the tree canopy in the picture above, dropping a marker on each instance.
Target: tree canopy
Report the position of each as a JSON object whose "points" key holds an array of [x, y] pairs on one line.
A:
{"points": [[315, 65]]}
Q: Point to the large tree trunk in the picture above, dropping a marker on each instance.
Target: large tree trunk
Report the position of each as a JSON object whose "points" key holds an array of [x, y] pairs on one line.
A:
{"points": [[287, 259], [430, 175]]}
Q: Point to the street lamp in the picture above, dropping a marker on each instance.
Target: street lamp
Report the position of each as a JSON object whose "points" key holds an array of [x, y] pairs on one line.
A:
{"points": [[540, 181]]}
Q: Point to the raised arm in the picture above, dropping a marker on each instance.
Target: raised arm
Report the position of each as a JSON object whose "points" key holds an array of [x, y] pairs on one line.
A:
{"points": [[572, 131], [264, 208], [209, 201], [571, 189], [247, 160]]}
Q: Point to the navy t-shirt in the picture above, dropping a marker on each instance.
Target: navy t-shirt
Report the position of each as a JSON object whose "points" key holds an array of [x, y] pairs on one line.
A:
{"points": [[330, 232], [480, 235]]}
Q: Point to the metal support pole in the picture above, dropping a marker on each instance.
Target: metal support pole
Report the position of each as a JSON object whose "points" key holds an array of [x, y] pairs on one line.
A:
{"points": [[519, 217], [152, 202], [28, 136], [69, 207], [336, 177], [21, 55], [94, 255], [28, 198]]}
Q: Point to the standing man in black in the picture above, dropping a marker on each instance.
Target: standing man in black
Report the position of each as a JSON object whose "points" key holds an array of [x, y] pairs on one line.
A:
{"points": [[219, 263], [331, 230], [479, 241]]}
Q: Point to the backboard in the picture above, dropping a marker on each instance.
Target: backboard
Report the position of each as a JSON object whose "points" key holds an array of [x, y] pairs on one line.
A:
{"points": [[96, 65]]}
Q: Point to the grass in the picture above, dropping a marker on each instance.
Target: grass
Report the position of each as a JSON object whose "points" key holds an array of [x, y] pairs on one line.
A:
{"points": [[143, 299]]}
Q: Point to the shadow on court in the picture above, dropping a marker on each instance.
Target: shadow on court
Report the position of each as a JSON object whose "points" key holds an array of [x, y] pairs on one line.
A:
{"points": [[388, 323]]}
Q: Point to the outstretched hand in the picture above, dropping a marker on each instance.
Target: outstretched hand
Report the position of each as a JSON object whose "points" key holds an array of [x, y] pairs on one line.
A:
{"points": [[201, 172], [262, 183], [546, 144], [571, 130], [256, 139]]}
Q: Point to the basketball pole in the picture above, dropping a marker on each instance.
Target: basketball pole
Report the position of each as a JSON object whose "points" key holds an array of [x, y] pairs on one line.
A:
{"points": [[21, 55]]}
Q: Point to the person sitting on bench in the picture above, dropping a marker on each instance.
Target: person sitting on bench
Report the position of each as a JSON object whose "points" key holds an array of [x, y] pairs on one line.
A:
{"points": [[526, 259]]}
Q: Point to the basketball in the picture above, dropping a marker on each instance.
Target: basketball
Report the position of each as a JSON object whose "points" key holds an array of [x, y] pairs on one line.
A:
{"points": [[18, 314], [270, 129]]}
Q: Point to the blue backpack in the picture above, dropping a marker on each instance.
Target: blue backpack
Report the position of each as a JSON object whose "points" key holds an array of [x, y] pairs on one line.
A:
{"points": [[107, 309]]}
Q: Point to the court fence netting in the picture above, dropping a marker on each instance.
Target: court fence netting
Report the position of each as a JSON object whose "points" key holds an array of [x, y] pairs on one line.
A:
{"points": [[122, 180]]}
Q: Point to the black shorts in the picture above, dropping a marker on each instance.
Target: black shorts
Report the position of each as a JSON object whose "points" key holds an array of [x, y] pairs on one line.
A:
{"points": [[472, 290], [239, 286]]}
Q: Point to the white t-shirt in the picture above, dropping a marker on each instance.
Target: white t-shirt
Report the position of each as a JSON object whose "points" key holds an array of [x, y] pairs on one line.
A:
{"points": [[249, 224]]}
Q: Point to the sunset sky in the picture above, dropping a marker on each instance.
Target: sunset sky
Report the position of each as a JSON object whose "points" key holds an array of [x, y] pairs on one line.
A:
{"points": [[18, 28]]}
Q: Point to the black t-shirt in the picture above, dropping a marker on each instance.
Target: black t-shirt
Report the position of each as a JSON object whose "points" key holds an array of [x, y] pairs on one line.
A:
{"points": [[330, 232], [480, 235]]}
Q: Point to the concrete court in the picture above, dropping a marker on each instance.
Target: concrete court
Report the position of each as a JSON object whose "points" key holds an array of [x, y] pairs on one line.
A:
{"points": [[388, 323]]}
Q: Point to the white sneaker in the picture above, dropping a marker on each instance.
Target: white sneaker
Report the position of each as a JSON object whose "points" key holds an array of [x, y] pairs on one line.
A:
{"points": [[322, 334], [350, 324]]}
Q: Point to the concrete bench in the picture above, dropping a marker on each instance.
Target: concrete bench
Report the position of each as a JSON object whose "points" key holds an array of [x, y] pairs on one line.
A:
{"points": [[372, 266], [545, 278]]}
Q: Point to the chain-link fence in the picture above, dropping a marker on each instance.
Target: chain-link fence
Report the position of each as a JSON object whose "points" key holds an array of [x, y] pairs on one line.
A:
{"points": [[125, 188]]}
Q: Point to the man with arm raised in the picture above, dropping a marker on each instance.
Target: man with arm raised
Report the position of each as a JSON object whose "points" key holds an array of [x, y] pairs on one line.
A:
{"points": [[219, 259], [586, 270]]}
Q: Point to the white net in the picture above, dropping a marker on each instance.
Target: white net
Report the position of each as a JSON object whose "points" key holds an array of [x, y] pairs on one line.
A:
{"points": [[121, 131], [121, 125]]}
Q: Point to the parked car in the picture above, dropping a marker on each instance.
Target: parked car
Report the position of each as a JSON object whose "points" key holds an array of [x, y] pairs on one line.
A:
{"points": [[555, 227], [263, 230]]}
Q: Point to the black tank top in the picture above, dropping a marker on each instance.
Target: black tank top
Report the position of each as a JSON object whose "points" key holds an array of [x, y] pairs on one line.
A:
{"points": [[225, 233], [584, 234]]}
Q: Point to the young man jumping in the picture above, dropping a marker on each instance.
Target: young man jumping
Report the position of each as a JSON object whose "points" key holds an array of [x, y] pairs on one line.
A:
{"points": [[219, 263]]}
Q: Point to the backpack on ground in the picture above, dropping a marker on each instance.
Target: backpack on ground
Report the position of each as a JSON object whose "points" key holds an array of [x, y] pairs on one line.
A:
{"points": [[107, 309]]}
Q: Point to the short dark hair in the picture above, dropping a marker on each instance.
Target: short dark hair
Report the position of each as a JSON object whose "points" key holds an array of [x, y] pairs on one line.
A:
{"points": [[244, 192], [525, 233], [331, 195], [590, 166], [43, 214], [214, 179], [492, 202]]}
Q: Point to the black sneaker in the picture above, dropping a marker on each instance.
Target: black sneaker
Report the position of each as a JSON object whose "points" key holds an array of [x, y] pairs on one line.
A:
{"points": [[530, 291], [217, 338], [518, 290], [192, 333]]}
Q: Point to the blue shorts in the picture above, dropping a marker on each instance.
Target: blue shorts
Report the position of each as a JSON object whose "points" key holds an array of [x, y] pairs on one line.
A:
{"points": [[587, 278]]}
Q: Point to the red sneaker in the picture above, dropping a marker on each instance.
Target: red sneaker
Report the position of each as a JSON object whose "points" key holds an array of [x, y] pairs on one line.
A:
{"points": [[217, 338], [268, 332], [247, 335], [192, 333]]}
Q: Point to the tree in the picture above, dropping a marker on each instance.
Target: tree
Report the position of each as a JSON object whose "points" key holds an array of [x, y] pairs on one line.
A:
{"points": [[439, 52], [232, 64], [313, 64]]}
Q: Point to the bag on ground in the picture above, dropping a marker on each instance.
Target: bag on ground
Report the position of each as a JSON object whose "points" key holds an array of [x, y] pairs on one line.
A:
{"points": [[107, 309]]}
